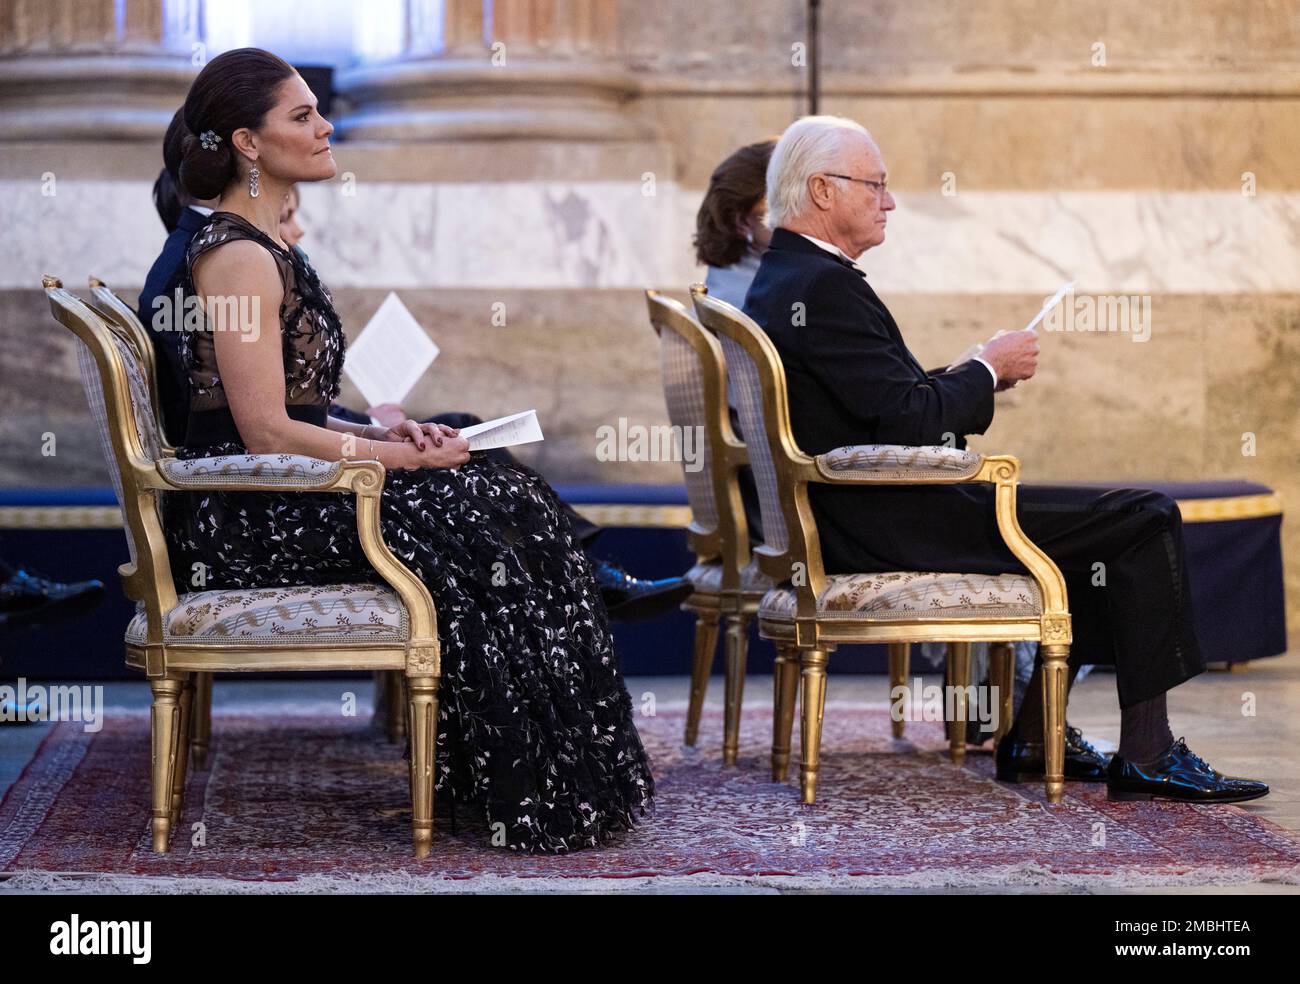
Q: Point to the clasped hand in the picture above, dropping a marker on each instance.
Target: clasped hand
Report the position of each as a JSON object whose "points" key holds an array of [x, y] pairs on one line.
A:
{"points": [[435, 445]]}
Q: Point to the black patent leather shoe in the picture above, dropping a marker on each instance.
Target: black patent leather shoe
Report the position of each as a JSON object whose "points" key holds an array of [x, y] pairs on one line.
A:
{"points": [[1179, 774], [634, 599], [1022, 761], [27, 598]]}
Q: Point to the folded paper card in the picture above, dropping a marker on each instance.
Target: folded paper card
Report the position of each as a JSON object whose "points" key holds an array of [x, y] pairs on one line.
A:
{"points": [[504, 432], [390, 355]]}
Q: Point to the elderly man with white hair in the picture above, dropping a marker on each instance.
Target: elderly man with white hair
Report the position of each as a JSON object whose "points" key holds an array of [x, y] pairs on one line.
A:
{"points": [[852, 380]]}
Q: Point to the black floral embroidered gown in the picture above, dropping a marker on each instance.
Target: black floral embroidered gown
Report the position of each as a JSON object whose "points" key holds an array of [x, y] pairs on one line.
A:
{"points": [[535, 723]]}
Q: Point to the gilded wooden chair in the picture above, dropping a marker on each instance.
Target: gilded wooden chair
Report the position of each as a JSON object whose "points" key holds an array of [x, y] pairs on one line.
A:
{"points": [[811, 612], [389, 704], [376, 627], [727, 586]]}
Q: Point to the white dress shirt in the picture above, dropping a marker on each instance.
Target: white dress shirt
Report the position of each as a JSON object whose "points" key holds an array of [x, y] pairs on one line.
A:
{"points": [[832, 248]]}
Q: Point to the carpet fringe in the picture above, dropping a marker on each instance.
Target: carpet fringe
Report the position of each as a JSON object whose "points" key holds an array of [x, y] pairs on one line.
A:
{"points": [[1027, 875]]}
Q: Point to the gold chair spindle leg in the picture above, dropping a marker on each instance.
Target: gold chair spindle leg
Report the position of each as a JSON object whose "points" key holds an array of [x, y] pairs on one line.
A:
{"points": [[1056, 677], [181, 771], [422, 697], [958, 681], [899, 658], [1002, 674], [395, 722], [812, 668], [737, 649], [785, 691], [201, 740], [164, 727], [706, 644], [379, 712]]}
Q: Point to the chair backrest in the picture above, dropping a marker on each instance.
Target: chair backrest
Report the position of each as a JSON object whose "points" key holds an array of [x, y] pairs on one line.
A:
{"points": [[694, 380], [757, 389], [120, 317], [114, 381]]}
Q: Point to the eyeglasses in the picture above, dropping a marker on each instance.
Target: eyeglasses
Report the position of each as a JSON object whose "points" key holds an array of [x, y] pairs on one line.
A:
{"points": [[880, 186]]}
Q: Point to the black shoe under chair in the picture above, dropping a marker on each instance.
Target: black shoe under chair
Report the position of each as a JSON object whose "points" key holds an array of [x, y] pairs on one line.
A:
{"points": [[27, 598], [1178, 774], [634, 599], [1022, 761]]}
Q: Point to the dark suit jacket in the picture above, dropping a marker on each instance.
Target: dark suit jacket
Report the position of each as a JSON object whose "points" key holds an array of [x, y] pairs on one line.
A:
{"points": [[165, 276], [852, 380]]}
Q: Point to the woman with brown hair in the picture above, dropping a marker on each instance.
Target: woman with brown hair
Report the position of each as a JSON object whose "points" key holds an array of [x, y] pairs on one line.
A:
{"points": [[730, 228], [535, 725]]}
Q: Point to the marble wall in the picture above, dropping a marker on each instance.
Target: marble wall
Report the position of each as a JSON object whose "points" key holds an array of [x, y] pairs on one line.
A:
{"points": [[1162, 164]]}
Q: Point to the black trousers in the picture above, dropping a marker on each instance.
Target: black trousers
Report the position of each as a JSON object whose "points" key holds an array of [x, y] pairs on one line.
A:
{"points": [[585, 530], [1120, 551]]}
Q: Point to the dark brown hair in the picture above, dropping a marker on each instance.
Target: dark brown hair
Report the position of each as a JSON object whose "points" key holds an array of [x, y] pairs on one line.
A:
{"points": [[236, 89], [737, 185], [169, 197]]}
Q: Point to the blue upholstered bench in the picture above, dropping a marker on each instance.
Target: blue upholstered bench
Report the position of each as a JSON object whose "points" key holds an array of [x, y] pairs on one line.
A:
{"points": [[1233, 534]]}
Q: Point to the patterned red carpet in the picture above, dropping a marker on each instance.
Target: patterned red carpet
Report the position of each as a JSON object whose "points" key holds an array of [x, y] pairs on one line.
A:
{"points": [[316, 802]]}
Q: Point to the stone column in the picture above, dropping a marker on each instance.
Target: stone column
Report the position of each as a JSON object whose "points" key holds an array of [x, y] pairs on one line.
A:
{"points": [[94, 69], [520, 69]]}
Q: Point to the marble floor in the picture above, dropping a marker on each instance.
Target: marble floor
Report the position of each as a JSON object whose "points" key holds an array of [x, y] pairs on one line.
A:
{"points": [[1212, 711]]}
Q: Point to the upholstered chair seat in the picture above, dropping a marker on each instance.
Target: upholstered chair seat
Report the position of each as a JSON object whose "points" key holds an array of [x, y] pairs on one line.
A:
{"points": [[275, 616]]}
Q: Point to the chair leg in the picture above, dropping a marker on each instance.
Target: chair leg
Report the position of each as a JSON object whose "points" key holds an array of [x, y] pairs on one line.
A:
{"points": [[422, 707], [395, 709], [201, 730], [812, 672], [958, 681], [737, 650], [183, 748], [1002, 674], [785, 689], [379, 705], [899, 657], [706, 643], [164, 727], [1056, 677]]}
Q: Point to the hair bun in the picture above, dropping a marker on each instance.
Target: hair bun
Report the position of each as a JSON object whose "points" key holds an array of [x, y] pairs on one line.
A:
{"points": [[205, 173]]}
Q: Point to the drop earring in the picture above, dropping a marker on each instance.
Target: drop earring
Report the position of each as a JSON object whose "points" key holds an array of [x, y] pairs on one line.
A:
{"points": [[253, 175]]}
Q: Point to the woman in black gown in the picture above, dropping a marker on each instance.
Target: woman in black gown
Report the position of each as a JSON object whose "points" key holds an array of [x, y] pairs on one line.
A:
{"points": [[535, 723]]}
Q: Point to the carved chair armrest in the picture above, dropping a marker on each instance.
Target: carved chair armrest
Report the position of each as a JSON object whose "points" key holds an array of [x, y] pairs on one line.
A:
{"points": [[898, 462], [884, 464], [299, 473], [245, 471]]}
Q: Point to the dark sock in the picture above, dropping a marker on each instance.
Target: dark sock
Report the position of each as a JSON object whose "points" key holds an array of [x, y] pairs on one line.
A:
{"points": [[1144, 733], [1028, 725]]}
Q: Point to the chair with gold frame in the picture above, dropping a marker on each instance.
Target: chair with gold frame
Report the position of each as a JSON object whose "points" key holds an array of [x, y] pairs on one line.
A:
{"points": [[390, 627], [119, 317], [811, 612], [727, 587]]}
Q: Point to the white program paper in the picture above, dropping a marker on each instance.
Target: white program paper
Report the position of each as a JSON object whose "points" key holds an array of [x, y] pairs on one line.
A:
{"points": [[390, 355], [504, 432], [1055, 299]]}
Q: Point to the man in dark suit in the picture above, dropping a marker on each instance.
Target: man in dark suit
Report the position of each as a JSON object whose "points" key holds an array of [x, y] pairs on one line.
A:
{"points": [[852, 380], [627, 598], [165, 277]]}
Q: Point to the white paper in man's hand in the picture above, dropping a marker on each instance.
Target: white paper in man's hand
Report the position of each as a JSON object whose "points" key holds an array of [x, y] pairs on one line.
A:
{"points": [[390, 355], [504, 432], [1055, 299]]}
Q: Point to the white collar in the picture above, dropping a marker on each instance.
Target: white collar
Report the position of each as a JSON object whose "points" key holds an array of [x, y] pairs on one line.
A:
{"points": [[202, 210], [829, 247]]}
